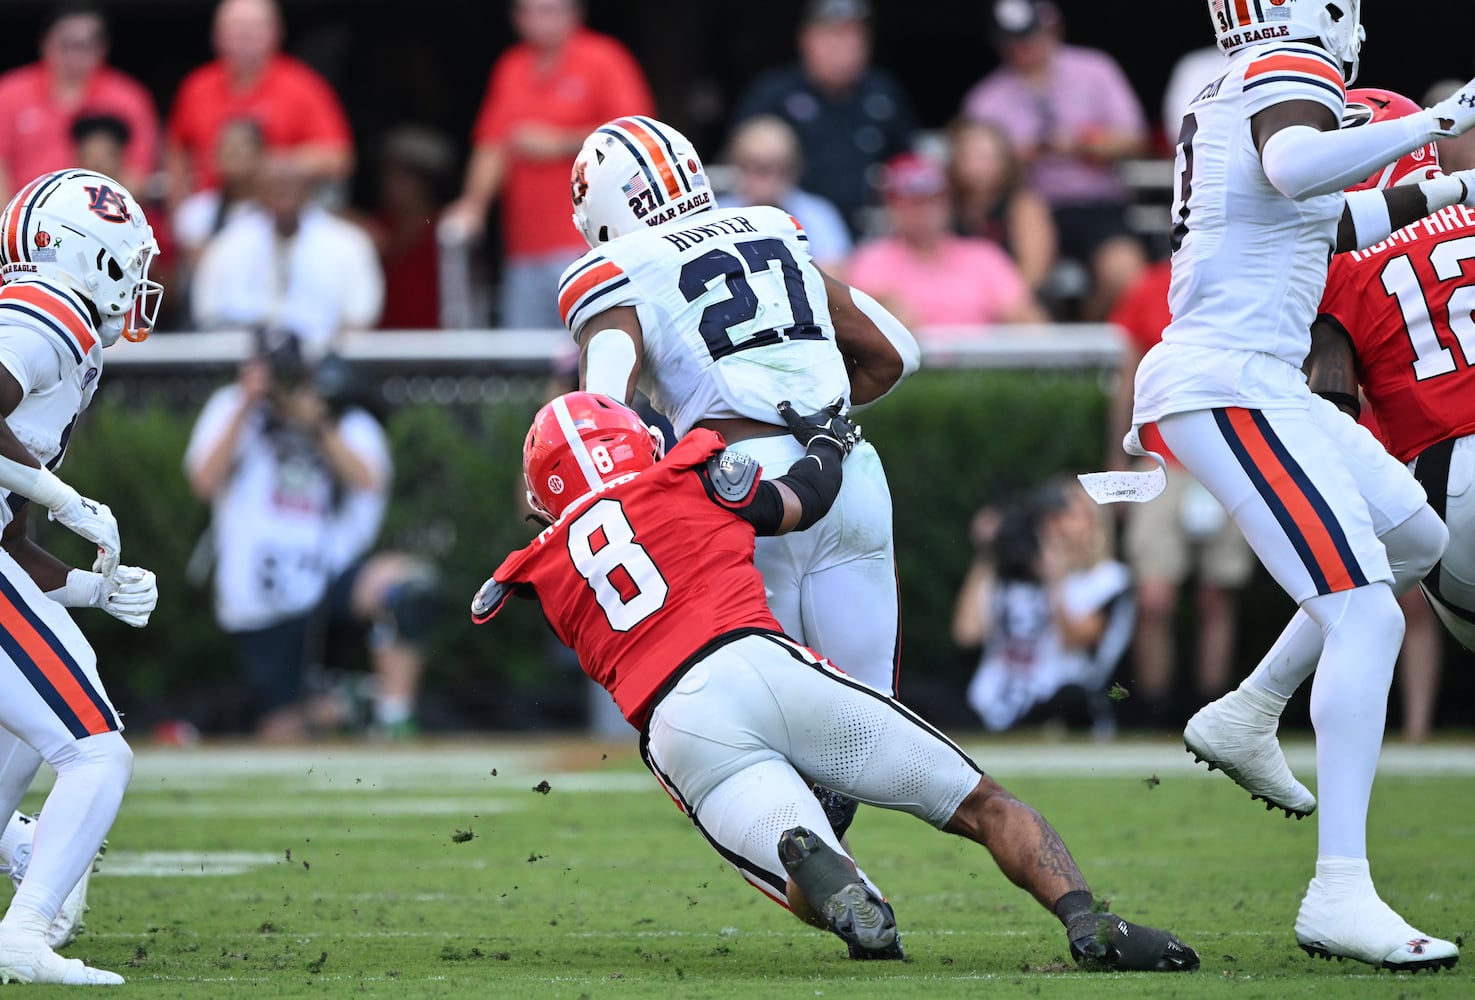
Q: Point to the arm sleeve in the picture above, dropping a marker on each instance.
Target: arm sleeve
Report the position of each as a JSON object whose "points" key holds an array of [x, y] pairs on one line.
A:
{"points": [[1303, 162]]}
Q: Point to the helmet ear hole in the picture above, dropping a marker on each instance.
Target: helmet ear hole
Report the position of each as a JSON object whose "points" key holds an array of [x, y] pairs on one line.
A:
{"points": [[604, 234], [114, 271]]}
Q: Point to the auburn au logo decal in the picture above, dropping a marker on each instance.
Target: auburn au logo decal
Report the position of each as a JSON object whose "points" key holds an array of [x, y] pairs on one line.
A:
{"points": [[107, 204]]}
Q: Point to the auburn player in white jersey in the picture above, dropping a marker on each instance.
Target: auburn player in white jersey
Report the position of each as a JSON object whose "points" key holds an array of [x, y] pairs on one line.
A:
{"points": [[75, 250], [713, 314], [1262, 163]]}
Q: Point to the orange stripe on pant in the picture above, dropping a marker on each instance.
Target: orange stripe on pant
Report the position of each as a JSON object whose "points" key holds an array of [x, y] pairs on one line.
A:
{"points": [[1313, 529], [657, 154], [51, 666]]}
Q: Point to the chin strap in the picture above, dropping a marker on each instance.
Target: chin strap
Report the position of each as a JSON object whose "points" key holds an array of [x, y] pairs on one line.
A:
{"points": [[1129, 487]]}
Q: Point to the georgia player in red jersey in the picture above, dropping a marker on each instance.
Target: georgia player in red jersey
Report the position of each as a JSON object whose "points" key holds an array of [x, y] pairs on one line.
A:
{"points": [[646, 570], [1396, 320]]}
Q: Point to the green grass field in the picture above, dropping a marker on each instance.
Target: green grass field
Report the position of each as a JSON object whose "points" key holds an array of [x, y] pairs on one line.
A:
{"points": [[439, 871]]}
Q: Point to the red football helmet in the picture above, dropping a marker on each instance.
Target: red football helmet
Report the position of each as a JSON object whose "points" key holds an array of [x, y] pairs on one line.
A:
{"points": [[1367, 104], [579, 442]]}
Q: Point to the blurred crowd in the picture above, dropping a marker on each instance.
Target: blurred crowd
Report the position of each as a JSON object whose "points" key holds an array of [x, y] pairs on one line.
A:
{"points": [[1014, 213]]}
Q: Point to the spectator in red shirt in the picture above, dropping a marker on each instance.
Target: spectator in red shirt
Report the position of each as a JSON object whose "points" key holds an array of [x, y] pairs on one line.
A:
{"points": [[39, 101], [545, 95], [416, 174], [251, 78]]}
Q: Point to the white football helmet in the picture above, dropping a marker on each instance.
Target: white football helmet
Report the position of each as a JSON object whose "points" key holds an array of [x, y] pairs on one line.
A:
{"points": [[1336, 24], [85, 231], [633, 172]]}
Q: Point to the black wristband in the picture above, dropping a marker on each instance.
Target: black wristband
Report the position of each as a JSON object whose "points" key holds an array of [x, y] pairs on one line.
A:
{"points": [[1345, 401], [815, 480], [1074, 904]]}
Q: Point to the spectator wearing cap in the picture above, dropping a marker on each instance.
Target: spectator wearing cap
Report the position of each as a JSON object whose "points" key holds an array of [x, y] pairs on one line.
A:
{"points": [[546, 93], [765, 153], [299, 113], [850, 115], [39, 101], [1074, 117], [940, 284]]}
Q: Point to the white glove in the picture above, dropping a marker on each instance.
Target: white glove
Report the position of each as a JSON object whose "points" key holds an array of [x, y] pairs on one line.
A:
{"points": [[129, 595], [94, 522], [1457, 110]]}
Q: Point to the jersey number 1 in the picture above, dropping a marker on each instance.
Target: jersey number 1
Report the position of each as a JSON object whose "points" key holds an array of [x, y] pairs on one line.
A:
{"points": [[624, 579], [737, 321], [1432, 358]]}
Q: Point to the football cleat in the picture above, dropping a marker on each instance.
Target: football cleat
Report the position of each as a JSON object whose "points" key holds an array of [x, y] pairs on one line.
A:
{"points": [[27, 959], [1236, 735], [1106, 942], [839, 809], [68, 921], [1361, 926], [851, 910]]}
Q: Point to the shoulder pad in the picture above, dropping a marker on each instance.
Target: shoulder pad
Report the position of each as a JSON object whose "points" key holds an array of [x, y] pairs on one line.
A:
{"points": [[732, 474]]}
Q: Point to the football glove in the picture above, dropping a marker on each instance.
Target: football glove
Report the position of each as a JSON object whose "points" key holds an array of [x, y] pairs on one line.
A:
{"points": [[129, 595], [94, 522], [1456, 113], [832, 425]]}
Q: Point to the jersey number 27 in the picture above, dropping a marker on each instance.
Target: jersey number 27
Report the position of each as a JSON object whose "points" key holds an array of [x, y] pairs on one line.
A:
{"points": [[752, 306]]}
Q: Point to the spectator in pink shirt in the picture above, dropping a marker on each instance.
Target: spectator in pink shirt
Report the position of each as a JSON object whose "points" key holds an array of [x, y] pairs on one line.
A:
{"points": [[1073, 116], [936, 282], [39, 101]]}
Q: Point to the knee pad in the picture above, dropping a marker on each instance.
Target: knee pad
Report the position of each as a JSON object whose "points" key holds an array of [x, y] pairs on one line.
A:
{"points": [[107, 752], [411, 607], [1414, 547]]}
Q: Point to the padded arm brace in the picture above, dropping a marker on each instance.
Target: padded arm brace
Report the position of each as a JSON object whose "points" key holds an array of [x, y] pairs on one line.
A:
{"points": [[1302, 162]]}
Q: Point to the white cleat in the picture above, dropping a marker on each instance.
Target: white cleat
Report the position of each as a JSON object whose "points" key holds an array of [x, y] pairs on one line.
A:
{"points": [[28, 960], [1236, 735], [68, 922], [1365, 928]]}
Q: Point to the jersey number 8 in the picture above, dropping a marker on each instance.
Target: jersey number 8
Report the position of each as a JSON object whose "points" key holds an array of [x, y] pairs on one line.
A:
{"points": [[626, 582]]}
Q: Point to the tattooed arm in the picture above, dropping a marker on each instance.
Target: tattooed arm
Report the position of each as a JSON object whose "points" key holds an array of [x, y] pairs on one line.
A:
{"points": [[1331, 367]]}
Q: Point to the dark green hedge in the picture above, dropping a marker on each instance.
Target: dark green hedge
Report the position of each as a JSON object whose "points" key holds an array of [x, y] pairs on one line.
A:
{"points": [[950, 441]]}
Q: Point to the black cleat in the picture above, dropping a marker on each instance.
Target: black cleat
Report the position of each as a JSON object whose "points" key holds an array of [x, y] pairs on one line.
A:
{"points": [[1104, 941], [839, 809], [852, 912]]}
